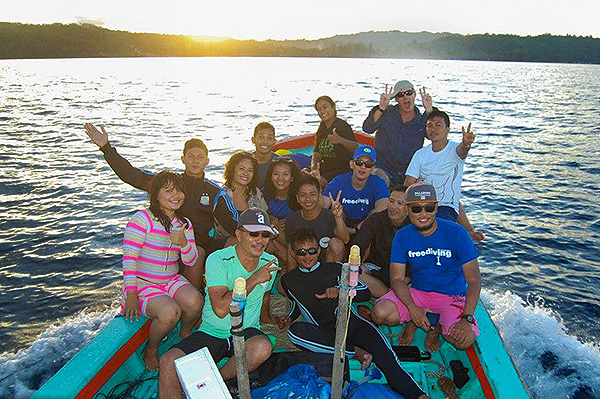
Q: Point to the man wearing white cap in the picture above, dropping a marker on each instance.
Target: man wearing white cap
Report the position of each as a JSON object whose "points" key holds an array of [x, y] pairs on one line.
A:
{"points": [[400, 129], [245, 259]]}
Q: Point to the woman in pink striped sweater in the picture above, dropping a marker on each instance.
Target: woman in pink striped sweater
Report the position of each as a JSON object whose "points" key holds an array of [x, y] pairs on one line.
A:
{"points": [[155, 239]]}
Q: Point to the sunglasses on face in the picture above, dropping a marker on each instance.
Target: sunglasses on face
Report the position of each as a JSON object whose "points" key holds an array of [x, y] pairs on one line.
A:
{"points": [[264, 234], [418, 208], [360, 162], [408, 92], [304, 251]]}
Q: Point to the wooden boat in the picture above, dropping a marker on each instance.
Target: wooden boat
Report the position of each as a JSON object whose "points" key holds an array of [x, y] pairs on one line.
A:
{"points": [[112, 362]]}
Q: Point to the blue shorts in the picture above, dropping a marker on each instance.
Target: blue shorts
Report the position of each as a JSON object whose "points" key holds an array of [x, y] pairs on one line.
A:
{"points": [[447, 212]]}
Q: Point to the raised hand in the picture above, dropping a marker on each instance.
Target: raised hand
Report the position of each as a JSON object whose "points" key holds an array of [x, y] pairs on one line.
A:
{"points": [[178, 237], [426, 99], [98, 137], [385, 97], [336, 207], [330, 292], [263, 274], [468, 136], [335, 138], [316, 171]]}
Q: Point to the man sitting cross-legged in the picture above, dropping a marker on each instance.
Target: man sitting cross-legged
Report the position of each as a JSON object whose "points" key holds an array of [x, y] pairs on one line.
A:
{"points": [[444, 272], [313, 288], [245, 259]]}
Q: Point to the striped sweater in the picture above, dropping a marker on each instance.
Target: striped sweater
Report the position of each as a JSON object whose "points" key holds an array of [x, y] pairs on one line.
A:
{"points": [[148, 253]]}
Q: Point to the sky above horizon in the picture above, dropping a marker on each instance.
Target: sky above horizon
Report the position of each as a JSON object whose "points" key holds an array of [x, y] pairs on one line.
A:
{"points": [[310, 19]]}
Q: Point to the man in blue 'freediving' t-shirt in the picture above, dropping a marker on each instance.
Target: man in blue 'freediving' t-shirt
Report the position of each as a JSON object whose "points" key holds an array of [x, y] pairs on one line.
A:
{"points": [[444, 271], [362, 192]]}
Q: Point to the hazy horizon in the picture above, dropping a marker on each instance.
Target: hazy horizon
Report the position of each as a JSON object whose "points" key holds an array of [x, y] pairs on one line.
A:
{"points": [[311, 20]]}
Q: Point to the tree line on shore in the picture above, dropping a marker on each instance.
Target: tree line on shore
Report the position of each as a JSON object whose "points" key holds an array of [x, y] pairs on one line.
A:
{"points": [[20, 41]]}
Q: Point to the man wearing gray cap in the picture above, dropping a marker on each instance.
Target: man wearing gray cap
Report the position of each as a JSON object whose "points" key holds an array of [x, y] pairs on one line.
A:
{"points": [[400, 129], [445, 276], [245, 259]]}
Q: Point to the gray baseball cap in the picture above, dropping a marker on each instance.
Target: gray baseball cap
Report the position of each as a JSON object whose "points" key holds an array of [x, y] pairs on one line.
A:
{"points": [[420, 192], [400, 85]]}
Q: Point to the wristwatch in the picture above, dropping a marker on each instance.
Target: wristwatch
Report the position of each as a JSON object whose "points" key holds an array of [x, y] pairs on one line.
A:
{"points": [[469, 318], [381, 110]]}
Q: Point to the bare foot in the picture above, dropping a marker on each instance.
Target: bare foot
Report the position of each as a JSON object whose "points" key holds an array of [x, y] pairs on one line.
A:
{"points": [[364, 357], [408, 335], [151, 357], [432, 340]]}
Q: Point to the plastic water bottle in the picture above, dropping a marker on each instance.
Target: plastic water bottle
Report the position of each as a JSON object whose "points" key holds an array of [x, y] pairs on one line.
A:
{"points": [[239, 290], [354, 265]]}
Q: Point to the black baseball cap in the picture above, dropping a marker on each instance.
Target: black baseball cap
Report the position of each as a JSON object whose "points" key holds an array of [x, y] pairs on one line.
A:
{"points": [[255, 219]]}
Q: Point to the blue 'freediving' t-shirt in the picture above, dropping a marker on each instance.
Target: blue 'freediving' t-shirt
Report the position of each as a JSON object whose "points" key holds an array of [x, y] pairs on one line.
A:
{"points": [[357, 203], [435, 261]]}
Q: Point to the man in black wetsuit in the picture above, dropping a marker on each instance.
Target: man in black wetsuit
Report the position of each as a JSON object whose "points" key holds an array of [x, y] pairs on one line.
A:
{"points": [[199, 193], [313, 289]]}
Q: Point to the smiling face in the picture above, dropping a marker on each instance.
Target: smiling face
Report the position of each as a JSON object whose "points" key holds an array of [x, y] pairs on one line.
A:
{"points": [[282, 177], [360, 167], [424, 221], [326, 111], [436, 130], [170, 198], [252, 247], [243, 172], [308, 197], [406, 103], [195, 160], [307, 260], [264, 140], [396, 209]]}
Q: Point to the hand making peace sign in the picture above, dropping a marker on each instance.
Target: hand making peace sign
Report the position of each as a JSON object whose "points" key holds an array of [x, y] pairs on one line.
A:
{"points": [[426, 99], [336, 206], [468, 136]]}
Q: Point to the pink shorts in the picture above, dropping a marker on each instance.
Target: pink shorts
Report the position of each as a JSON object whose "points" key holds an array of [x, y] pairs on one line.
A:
{"points": [[450, 307], [147, 290]]}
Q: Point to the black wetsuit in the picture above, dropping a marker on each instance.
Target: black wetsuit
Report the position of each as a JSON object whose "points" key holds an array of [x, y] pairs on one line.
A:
{"points": [[199, 196], [317, 334]]}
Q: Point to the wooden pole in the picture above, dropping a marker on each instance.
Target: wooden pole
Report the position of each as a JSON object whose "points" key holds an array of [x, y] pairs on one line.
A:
{"points": [[236, 311], [341, 325]]}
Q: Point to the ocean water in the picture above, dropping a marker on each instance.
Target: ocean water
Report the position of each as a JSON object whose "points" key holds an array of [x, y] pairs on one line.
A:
{"points": [[532, 183]]}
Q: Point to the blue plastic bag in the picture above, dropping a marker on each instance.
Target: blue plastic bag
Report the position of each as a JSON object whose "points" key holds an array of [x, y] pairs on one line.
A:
{"points": [[298, 382], [370, 391]]}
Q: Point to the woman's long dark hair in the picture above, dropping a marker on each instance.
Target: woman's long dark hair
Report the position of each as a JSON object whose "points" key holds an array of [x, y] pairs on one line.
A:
{"points": [[322, 127], [230, 166], [271, 192], [164, 179]]}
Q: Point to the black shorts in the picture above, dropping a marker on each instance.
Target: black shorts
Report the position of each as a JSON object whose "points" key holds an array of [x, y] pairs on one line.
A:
{"points": [[219, 348]]}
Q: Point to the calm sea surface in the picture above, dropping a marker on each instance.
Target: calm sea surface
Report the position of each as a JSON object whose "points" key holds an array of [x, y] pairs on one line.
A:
{"points": [[532, 184]]}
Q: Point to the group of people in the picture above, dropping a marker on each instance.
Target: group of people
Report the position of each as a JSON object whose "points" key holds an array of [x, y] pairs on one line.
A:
{"points": [[398, 201]]}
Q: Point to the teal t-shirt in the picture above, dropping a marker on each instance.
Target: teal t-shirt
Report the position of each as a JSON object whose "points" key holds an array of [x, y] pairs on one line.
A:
{"points": [[222, 268]]}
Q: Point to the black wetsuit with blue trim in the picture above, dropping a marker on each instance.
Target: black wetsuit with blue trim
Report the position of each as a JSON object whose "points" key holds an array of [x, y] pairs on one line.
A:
{"points": [[317, 334]]}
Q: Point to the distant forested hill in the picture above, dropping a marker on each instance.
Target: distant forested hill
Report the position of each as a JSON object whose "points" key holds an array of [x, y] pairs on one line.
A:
{"points": [[75, 41]]}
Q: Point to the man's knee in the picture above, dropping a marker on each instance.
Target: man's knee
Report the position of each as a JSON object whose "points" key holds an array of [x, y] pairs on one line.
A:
{"points": [[336, 248], [259, 349], [167, 361], [384, 312]]}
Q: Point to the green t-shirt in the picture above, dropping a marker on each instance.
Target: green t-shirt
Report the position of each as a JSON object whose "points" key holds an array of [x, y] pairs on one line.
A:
{"points": [[222, 268]]}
